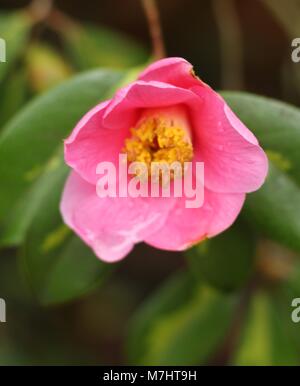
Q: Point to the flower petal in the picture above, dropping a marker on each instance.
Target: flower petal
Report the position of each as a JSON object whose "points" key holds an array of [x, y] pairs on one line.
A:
{"points": [[110, 226], [234, 161], [100, 135], [130, 101], [91, 143], [185, 227], [175, 71]]}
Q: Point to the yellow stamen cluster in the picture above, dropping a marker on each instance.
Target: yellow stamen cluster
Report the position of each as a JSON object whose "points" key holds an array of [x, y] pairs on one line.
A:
{"points": [[157, 139]]}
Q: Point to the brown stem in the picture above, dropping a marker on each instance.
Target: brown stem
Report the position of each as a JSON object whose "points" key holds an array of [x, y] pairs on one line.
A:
{"points": [[39, 10], [152, 15], [60, 22]]}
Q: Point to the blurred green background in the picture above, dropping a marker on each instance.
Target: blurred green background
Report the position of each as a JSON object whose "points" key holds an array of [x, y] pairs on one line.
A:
{"points": [[228, 300]]}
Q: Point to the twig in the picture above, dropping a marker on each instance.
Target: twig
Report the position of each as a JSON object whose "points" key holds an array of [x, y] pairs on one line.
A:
{"points": [[39, 10], [155, 29], [60, 22]]}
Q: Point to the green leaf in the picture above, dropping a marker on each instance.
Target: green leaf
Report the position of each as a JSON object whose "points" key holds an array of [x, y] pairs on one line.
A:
{"points": [[13, 96], [46, 67], [58, 265], [22, 214], [85, 273], [276, 125], [264, 340], [275, 208], [14, 29], [29, 141], [225, 262], [182, 324], [92, 46]]}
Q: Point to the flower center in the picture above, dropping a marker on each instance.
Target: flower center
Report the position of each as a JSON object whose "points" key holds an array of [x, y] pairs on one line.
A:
{"points": [[161, 136]]}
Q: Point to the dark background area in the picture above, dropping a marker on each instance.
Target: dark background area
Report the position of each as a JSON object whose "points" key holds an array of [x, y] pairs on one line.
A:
{"points": [[190, 31]]}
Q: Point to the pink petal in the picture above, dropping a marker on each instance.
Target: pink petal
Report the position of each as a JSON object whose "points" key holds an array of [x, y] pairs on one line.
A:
{"points": [[91, 143], [93, 140], [125, 107], [175, 71], [185, 227], [234, 161], [111, 226]]}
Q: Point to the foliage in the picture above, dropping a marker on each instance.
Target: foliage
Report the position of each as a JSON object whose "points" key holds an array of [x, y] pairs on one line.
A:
{"points": [[233, 293]]}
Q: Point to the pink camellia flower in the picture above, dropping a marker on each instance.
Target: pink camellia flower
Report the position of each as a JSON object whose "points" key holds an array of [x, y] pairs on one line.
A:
{"points": [[167, 115]]}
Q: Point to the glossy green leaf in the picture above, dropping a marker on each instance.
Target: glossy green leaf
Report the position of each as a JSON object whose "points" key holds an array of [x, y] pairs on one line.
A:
{"points": [[46, 67], [14, 29], [226, 261], [264, 339], [276, 125], [29, 141], [92, 46], [275, 208], [14, 93], [22, 214], [182, 324], [58, 266]]}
